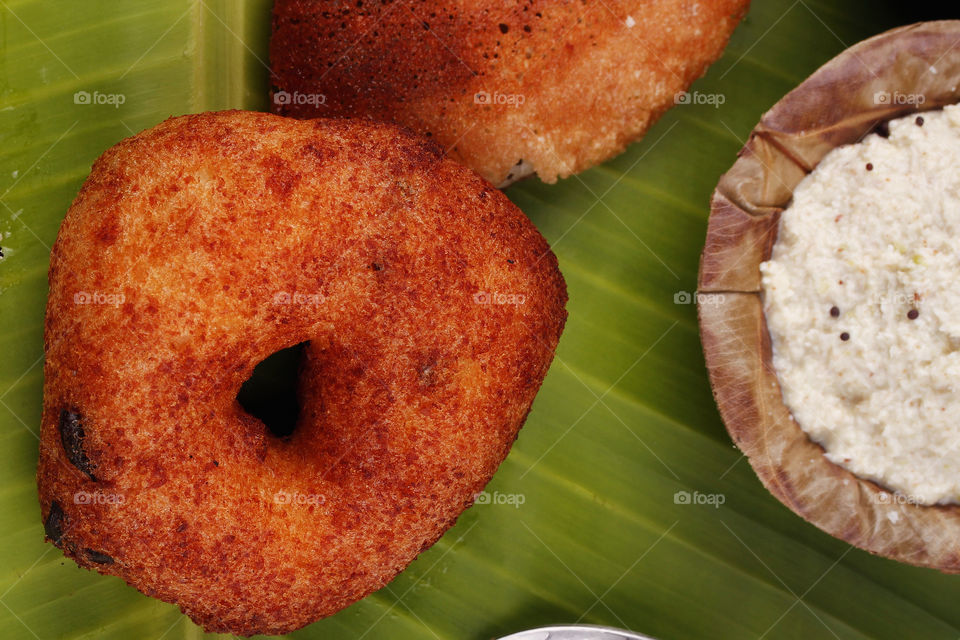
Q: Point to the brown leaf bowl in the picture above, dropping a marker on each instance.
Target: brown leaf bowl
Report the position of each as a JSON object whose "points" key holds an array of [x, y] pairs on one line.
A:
{"points": [[837, 105]]}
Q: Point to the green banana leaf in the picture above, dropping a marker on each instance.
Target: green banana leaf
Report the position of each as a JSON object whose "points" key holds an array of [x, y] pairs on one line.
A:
{"points": [[587, 520]]}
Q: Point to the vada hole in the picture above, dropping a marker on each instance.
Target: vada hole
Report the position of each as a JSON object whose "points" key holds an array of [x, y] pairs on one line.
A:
{"points": [[270, 395]]}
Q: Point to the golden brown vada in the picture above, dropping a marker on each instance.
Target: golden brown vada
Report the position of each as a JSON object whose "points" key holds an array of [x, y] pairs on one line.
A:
{"points": [[507, 88], [196, 249]]}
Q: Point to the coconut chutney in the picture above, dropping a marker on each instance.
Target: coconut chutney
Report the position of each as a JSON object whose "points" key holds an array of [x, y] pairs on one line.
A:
{"points": [[862, 303]]}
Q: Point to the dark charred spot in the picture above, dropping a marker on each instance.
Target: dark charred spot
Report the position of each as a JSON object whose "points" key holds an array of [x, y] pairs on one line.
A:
{"points": [[425, 372], [430, 152], [72, 437], [109, 231], [376, 266], [882, 129], [281, 178], [319, 153], [428, 373], [97, 556], [158, 476], [510, 261], [53, 527], [504, 28]]}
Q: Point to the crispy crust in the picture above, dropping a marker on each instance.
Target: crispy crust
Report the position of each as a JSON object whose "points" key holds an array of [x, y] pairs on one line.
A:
{"points": [[224, 237], [593, 75], [835, 106]]}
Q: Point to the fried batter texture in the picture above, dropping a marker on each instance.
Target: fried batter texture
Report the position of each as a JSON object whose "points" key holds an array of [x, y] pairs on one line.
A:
{"points": [[196, 249], [507, 88]]}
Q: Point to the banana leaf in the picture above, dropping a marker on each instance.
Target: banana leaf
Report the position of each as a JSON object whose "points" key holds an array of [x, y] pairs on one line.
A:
{"points": [[622, 503]]}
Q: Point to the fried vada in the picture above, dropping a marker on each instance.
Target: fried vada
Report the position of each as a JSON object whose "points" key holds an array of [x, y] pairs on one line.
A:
{"points": [[507, 88], [431, 308]]}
